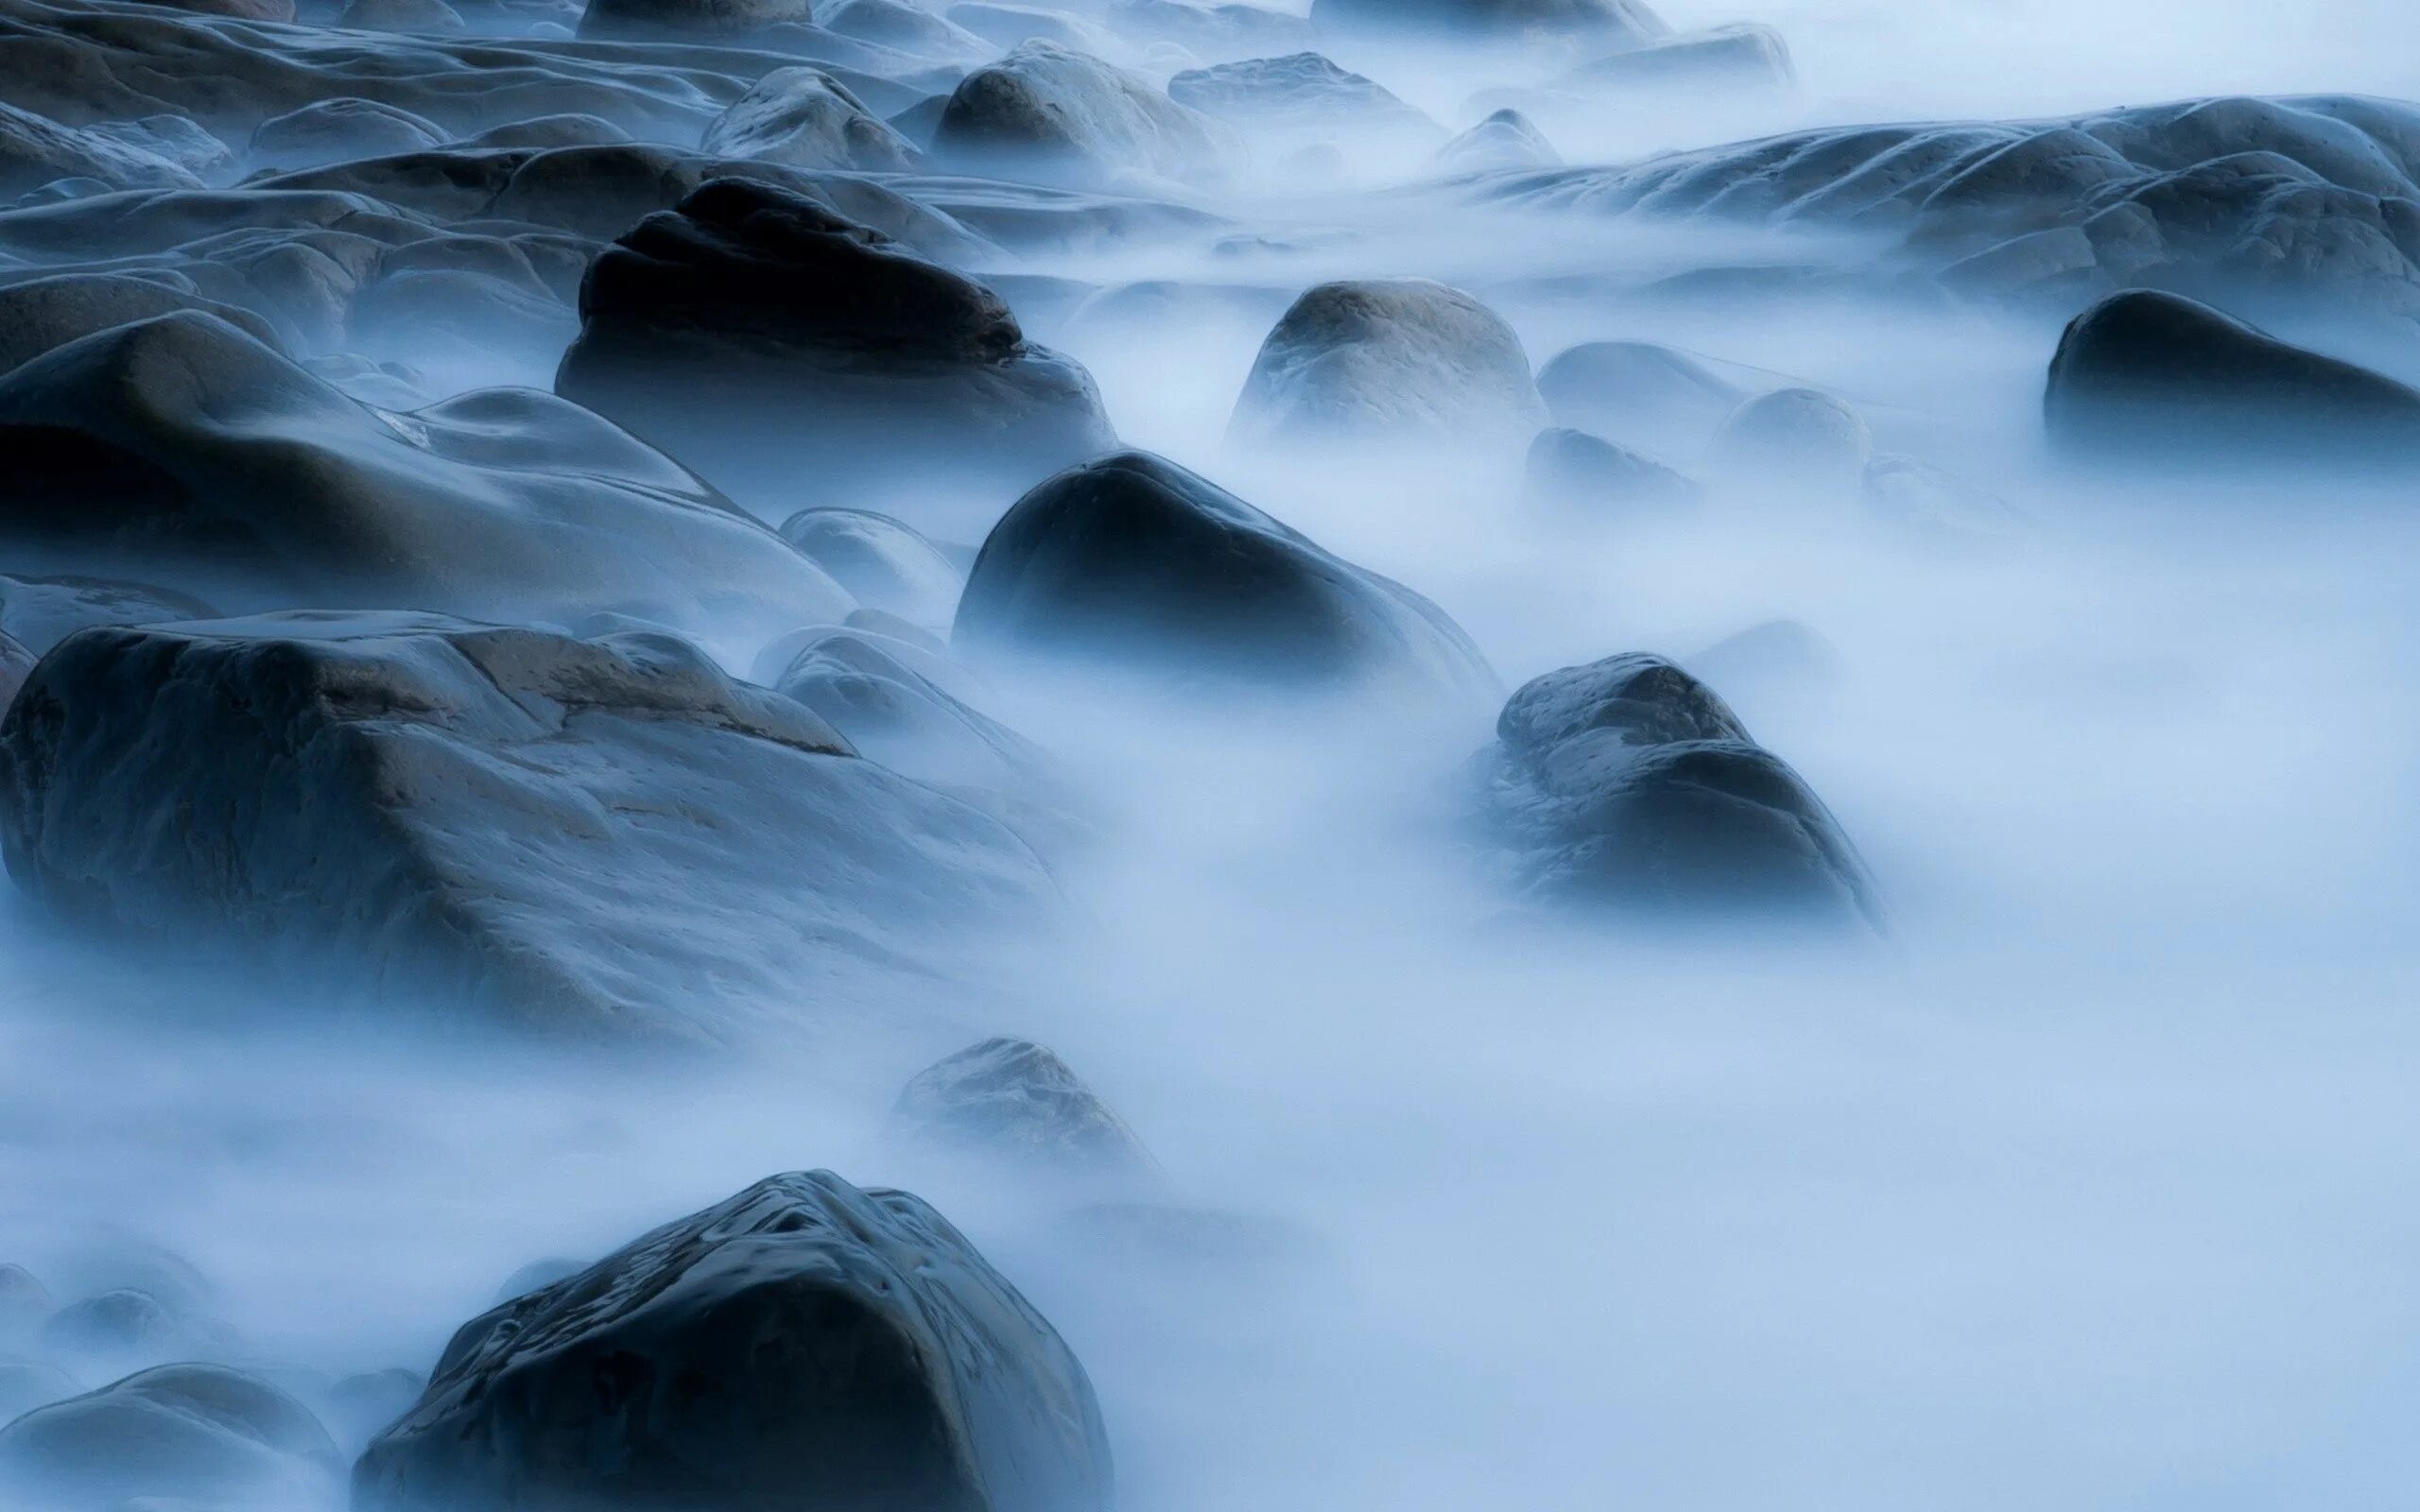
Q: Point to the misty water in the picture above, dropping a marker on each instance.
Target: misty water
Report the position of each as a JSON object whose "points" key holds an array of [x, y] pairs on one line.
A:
{"points": [[2089, 1186]]}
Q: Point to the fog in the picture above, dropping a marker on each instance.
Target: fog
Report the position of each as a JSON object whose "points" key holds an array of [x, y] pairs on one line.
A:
{"points": [[2085, 1188]]}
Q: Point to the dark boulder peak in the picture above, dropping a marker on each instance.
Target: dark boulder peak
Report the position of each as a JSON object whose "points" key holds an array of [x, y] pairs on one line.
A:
{"points": [[340, 130], [40, 314], [543, 132], [730, 20], [2291, 203], [1637, 393], [35, 151], [803, 119], [1013, 1101], [600, 840], [752, 331], [1629, 782], [1134, 559], [802, 1347], [1573, 470], [1046, 113], [43, 611], [1389, 361], [883, 563], [1506, 139], [1617, 23], [187, 447], [188, 1435], [2158, 377]]}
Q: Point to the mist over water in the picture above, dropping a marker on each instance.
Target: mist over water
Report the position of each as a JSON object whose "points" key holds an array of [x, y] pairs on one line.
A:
{"points": [[2090, 1187]]}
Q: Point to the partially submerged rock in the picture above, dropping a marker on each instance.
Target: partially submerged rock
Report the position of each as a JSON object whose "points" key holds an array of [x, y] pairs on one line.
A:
{"points": [[599, 839], [805, 118], [203, 1433], [1015, 1102], [1135, 560], [801, 1347], [1573, 470], [1048, 113]]}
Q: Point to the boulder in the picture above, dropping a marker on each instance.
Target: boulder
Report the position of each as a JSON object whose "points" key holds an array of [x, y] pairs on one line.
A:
{"points": [[1188, 30], [126, 1327], [604, 839], [1389, 361], [340, 130], [2157, 377], [802, 1347], [1011, 26], [43, 313], [1134, 559], [803, 119], [187, 447], [41, 611], [753, 332], [696, 20], [179, 139], [1015, 1103], [35, 151], [1574, 470], [910, 28], [1744, 56], [401, 15], [1637, 393], [1598, 23], [16, 666], [206, 1433], [545, 133], [1628, 782], [1283, 99], [1504, 140], [1051, 114], [883, 563], [358, 1406], [1797, 444]]}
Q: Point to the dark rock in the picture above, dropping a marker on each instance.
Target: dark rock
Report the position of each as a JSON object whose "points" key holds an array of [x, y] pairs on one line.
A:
{"points": [[650, 20], [1389, 361], [1048, 113], [35, 151], [1638, 393], [185, 446], [176, 138], [752, 326], [578, 838], [1575, 470], [1628, 782], [401, 15], [1015, 1102], [1505, 140], [1283, 97], [1617, 23], [2157, 377], [908, 28], [16, 666], [43, 313], [1136, 559], [803, 119], [181, 1431], [43, 611], [882, 563], [802, 1346], [340, 130]]}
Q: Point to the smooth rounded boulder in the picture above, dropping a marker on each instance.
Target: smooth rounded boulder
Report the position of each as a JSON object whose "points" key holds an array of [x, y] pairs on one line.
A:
{"points": [[769, 342], [205, 1433], [1016, 1103], [1052, 115], [2157, 377], [1137, 560], [802, 1347], [1629, 783], [805, 118], [1389, 361]]}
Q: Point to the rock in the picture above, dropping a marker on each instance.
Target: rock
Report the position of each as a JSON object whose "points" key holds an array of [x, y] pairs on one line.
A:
{"points": [[1639, 394], [380, 384], [340, 130], [1505, 140], [802, 118], [653, 19], [1798, 443], [280, 11], [787, 330], [1219, 33], [183, 1431], [1778, 657], [1048, 113], [1743, 56], [359, 1406], [126, 1327], [882, 563], [535, 1276], [1275, 100], [41, 611], [35, 149], [802, 1346], [43, 313], [1629, 782], [1574, 470], [401, 15], [25, 1301], [179, 139], [585, 839], [910, 28], [2156, 377], [26, 1384], [236, 475], [545, 133], [16, 666], [1931, 502], [1015, 1102], [1616, 22], [1010, 27], [1389, 361], [1136, 559]]}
